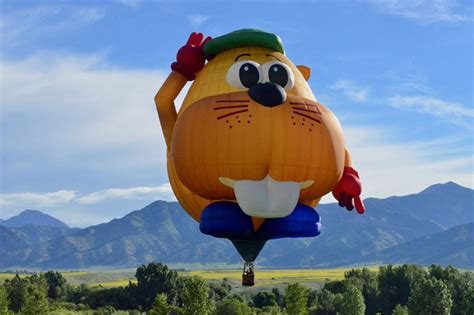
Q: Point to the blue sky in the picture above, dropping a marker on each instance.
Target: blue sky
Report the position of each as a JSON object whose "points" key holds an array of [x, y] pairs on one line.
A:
{"points": [[80, 138]]}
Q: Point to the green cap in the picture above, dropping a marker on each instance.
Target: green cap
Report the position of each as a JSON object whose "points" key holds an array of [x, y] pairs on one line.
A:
{"points": [[243, 38]]}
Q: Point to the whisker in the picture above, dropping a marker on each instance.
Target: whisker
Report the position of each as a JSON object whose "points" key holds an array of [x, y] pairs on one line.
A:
{"points": [[303, 104], [227, 107], [309, 117], [308, 110], [233, 113], [232, 101]]}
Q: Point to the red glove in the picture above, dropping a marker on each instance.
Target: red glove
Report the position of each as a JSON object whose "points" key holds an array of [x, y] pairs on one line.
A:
{"points": [[190, 58], [348, 191]]}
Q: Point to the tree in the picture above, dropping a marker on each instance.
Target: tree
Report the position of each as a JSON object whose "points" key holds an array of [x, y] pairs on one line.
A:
{"points": [[160, 305], [56, 284], [395, 285], [195, 296], [430, 297], [4, 302], [153, 279], [16, 288], [400, 310], [352, 302], [219, 291], [296, 298], [367, 283], [264, 298], [36, 301], [232, 307], [325, 302]]}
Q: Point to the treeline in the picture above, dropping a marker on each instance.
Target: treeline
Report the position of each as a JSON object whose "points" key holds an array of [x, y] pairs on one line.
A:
{"points": [[406, 289]]}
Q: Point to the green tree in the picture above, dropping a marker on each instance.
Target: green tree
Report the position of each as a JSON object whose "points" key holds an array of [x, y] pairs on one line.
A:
{"points": [[36, 301], [352, 302], [367, 283], [325, 303], [4, 302], [195, 296], [296, 298], [219, 291], [395, 285], [160, 305], [430, 297], [400, 310], [16, 288], [232, 307], [264, 298], [56, 284], [153, 279]]}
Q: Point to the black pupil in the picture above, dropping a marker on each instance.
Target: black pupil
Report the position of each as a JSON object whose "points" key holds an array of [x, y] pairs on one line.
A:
{"points": [[277, 74], [248, 75]]}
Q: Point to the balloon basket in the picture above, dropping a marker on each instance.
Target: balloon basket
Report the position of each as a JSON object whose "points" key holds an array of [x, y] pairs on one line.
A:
{"points": [[248, 275]]}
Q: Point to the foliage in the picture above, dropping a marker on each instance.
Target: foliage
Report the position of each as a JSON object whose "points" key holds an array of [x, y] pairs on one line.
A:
{"points": [[35, 301], [400, 310], [153, 279], [16, 288], [195, 296], [219, 291], [430, 296], [4, 302], [352, 302], [296, 298], [160, 305], [232, 307], [366, 281], [263, 298], [56, 284]]}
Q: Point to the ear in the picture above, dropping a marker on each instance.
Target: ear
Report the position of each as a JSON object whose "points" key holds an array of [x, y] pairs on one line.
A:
{"points": [[305, 71]]}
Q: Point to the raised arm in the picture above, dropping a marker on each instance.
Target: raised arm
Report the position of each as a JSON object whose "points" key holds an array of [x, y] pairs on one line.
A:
{"points": [[189, 61], [349, 188]]}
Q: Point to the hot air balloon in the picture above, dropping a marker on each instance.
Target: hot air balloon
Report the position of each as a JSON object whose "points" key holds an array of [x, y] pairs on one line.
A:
{"points": [[251, 151]]}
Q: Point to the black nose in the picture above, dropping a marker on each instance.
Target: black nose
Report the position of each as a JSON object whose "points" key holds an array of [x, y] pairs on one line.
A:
{"points": [[268, 94]]}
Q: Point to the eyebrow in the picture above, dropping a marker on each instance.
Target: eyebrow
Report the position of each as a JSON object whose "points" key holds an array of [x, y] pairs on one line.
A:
{"points": [[241, 56], [269, 55]]}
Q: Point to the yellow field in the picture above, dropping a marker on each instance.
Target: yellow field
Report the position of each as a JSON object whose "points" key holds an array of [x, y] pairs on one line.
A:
{"points": [[108, 279]]}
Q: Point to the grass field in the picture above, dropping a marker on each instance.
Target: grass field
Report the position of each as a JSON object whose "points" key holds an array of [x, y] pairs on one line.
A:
{"points": [[116, 278]]}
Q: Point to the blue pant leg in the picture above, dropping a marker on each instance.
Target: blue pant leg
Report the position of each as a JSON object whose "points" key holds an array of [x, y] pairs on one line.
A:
{"points": [[225, 219], [304, 221]]}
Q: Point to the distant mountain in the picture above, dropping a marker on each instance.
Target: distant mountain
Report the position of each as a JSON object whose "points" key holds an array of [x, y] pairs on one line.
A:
{"points": [[33, 217], [163, 232], [453, 245]]}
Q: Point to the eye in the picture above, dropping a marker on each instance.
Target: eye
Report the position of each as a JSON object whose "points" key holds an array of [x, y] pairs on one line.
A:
{"points": [[244, 74], [278, 73]]}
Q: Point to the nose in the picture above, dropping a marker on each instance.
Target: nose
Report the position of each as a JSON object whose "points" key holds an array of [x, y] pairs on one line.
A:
{"points": [[268, 94]]}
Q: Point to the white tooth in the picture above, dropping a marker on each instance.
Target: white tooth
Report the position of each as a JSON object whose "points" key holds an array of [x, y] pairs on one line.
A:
{"points": [[267, 198], [227, 181]]}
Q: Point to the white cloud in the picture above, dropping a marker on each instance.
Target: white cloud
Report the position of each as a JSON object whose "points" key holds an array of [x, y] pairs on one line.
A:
{"points": [[197, 19], [450, 111], [162, 192], [38, 200], [72, 108], [350, 90], [426, 11], [65, 197], [20, 26]]}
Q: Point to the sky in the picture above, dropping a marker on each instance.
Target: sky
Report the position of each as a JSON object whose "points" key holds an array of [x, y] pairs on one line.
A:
{"points": [[80, 137]]}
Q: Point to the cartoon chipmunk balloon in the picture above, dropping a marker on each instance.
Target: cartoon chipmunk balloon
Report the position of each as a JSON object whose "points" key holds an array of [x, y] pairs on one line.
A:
{"points": [[251, 152]]}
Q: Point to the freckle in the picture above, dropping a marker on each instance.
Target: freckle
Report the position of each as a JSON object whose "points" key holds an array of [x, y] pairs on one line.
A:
{"points": [[294, 124], [248, 121], [237, 117], [312, 124], [250, 116], [310, 130], [238, 121], [304, 119], [226, 121], [230, 127], [292, 117], [302, 124]]}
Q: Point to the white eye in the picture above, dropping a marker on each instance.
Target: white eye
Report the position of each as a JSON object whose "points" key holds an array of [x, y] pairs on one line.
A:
{"points": [[244, 74], [279, 73]]}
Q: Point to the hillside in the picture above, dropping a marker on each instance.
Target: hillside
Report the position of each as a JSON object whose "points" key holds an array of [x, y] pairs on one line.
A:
{"points": [[32, 217], [163, 232]]}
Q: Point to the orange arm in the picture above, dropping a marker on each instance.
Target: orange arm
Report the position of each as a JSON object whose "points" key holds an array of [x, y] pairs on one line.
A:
{"points": [[164, 101], [348, 159]]}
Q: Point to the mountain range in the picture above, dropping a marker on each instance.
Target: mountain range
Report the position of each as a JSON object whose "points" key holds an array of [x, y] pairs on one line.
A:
{"points": [[433, 226]]}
